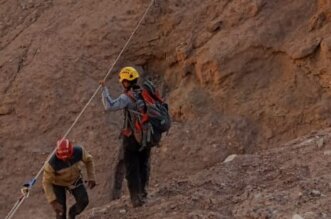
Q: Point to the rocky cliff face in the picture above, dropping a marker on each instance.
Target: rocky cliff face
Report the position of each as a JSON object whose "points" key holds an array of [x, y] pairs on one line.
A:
{"points": [[240, 76]]}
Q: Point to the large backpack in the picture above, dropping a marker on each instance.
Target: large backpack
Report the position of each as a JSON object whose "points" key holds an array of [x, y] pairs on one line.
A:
{"points": [[151, 117]]}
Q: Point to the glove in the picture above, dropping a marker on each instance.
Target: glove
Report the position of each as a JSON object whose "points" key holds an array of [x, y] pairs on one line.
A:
{"points": [[91, 184], [57, 207], [102, 83]]}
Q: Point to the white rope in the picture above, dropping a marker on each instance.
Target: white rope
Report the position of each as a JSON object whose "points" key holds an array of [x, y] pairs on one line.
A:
{"points": [[21, 200], [15, 208]]}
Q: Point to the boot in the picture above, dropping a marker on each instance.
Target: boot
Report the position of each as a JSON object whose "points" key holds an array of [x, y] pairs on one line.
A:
{"points": [[72, 216], [60, 216], [144, 195], [137, 201], [72, 213]]}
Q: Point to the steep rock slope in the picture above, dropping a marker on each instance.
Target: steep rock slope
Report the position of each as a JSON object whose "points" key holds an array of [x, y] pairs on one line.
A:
{"points": [[241, 76]]}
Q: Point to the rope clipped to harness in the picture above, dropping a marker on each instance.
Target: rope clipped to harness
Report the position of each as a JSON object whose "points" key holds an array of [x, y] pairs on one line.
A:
{"points": [[25, 190]]}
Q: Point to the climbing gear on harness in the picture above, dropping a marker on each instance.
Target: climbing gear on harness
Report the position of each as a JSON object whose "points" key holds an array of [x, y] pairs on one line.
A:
{"points": [[128, 73], [64, 149], [79, 182], [76, 184], [22, 198]]}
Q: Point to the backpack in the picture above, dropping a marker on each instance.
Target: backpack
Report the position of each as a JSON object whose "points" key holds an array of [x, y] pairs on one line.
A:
{"points": [[151, 116]]}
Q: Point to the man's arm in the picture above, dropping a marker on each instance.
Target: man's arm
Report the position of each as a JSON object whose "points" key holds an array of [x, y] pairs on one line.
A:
{"points": [[48, 179], [89, 164], [114, 104]]}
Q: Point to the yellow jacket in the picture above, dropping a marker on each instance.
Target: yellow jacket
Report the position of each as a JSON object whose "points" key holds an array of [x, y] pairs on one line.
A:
{"points": [[66, 173]]}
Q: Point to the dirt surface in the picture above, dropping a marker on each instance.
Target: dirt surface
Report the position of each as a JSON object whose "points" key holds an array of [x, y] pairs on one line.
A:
{"points": [[241, 77], [278, 183]]}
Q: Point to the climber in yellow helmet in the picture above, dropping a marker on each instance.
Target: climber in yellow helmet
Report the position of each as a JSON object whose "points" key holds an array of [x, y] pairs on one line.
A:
{"points": [[133, 160]]}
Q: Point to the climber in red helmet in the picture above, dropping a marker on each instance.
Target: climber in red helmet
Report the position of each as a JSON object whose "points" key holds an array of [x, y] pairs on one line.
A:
{"points": [[63, 173]]}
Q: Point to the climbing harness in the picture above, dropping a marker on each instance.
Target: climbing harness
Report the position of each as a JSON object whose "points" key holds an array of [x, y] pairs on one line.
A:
{"points": [[28, 186], [79, 182]]}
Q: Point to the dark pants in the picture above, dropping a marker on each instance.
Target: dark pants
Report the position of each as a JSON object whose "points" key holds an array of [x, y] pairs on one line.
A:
{"points": [[137, 167], [80, 195]]}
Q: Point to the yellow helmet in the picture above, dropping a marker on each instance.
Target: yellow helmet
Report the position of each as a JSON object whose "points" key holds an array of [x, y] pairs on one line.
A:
{"points": [[128, 73]]}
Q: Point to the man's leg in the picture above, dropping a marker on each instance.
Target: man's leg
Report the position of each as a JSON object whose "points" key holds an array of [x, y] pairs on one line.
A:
{"points": [[118, 175], [81, 198], [60, 193], [144, 160], [131, 159]]}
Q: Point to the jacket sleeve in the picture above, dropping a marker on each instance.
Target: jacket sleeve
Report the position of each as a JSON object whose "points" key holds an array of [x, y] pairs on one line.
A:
{"points": [[47, 182], [114, 104], [89, 163]]}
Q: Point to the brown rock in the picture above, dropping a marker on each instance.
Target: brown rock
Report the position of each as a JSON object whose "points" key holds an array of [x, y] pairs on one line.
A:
{"points": [[326, 46], [317, 21], [304, 49], [6, 110], [214, 26], [183, 51]]}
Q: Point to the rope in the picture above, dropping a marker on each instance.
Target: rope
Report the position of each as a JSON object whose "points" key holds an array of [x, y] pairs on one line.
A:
{"points": [[30, 185]]}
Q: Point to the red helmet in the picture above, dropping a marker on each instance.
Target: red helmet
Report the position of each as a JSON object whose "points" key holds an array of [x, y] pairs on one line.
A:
{"points": [[64, 149]]}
